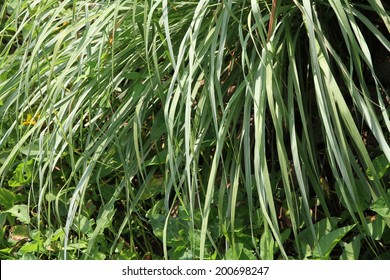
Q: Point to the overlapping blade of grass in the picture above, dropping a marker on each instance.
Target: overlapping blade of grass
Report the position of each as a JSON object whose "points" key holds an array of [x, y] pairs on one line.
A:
{"points": [[113, 86], [335, 114], [73, 86]]}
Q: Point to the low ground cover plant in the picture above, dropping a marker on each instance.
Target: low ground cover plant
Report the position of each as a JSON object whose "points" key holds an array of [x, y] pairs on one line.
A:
{"points": [[194, 129]]}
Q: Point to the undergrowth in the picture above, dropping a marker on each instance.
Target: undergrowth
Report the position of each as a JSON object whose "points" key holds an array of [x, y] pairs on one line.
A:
{"points": [[194, 129]]}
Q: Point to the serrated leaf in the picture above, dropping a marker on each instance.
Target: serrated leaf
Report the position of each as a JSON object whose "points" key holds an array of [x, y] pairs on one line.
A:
{"points": [[22, 174], [20, 212]]}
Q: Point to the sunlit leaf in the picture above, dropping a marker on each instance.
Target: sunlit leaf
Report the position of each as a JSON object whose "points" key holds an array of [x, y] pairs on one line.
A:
{"points": [[329, 241], [381, 206], [381, 165], [267, 244], [20, 212], [22, 174]]}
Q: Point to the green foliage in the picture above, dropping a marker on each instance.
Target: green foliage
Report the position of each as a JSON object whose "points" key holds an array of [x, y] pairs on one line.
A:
{"points": [[380, 206], [381, 165], [194, 130], [20, 212], [22, 174]]}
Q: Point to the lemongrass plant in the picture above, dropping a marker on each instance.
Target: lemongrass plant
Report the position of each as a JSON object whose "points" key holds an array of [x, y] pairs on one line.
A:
{"points": [[194, 129]]}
